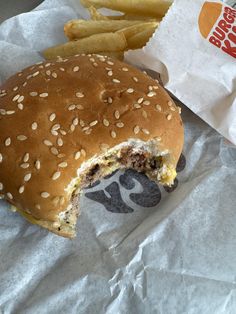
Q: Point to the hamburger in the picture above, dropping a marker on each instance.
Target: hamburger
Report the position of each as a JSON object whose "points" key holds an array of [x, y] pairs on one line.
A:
{"points": [[67, 123]]}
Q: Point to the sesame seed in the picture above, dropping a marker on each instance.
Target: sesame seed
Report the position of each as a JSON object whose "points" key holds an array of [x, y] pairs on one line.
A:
{"points": [[25, 83], [54, 133], [8, 141], [137, 106], [2, 112], [80, 107], [146, 102], [15, 88], [120, 124], [145, 131], [108, 69], [77, 155], [62, 132], [45, 194], [9, 195], [158, 139], [79, 95], [52, 117], [158, 107], [54, 74], [37, 164], [54, 150], [47, 143], [155, 87], [150, 88], [106, 122], [169, 117], [75, 121], [55, 200], [33, 94], [10, 112], [136, 129], [76, 69], [37, 206], [63, 164], [72, 127], [43, 95], [28, 77], [35, 74], [20, 99], [47, 65], [56, 175], [93, 123], [1, 186], [144, 114], [117, 114], [16, 98], [62, 69], [110, 62], [83, 152], [144, 72], [113, 134], [60, 142], [27, 177], [115, 81], [151, 94], [1, 158], [135, 79], [169, 103], [95, 64], [26, 157], [109, 100], [140, 100], [34, 126], [180, 110], [56, 127], [89, 131], [130, 90], [48, 72], [110, 73], [20, 106], [82, 124], [71, 107], [172, 108], [24, 165], [125, 69]]}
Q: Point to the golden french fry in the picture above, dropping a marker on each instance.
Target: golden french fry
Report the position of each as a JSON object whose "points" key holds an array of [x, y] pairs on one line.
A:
{"points": [[94, 44], [138, 28], [139, 40], [155, 8], [116, 54], [76, 29]]}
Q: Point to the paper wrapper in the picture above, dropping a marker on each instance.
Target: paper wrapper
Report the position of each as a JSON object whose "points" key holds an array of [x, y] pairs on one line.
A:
{"points": [[165, 253], [185, 51]]}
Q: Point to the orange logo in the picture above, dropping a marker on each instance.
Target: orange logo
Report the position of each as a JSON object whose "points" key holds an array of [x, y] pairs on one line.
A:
{"points": [[217, 23]]}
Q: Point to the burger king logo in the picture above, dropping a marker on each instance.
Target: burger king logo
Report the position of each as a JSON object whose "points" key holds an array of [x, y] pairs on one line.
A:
{"points": [[217, 23]]}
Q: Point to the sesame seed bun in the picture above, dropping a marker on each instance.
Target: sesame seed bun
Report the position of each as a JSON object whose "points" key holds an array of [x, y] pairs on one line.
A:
{"points": [[67, 123]]}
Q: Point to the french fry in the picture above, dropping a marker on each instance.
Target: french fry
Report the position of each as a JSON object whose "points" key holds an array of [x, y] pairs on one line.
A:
{"points": [[119, 55], [76, 29], [97, 16], [157, 8], [138, 28], [139, 40], [109, 42]]}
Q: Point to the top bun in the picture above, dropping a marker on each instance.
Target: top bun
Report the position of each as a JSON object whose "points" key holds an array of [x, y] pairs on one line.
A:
{"points": [[55, 116]]}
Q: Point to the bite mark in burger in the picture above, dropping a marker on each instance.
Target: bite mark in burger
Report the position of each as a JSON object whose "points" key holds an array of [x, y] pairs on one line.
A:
{"points": [[76, 124]]}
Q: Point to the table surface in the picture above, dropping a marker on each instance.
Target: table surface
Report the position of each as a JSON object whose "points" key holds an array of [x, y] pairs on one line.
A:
{"points": [[10, 8]]}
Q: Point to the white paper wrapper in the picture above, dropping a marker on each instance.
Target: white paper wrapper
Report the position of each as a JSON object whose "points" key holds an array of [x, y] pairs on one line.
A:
{"points": [[177, 255], [197, 72]]}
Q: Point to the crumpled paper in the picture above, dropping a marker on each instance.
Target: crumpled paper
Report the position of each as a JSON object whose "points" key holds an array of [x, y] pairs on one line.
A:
{"points": [[176, 254]]}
